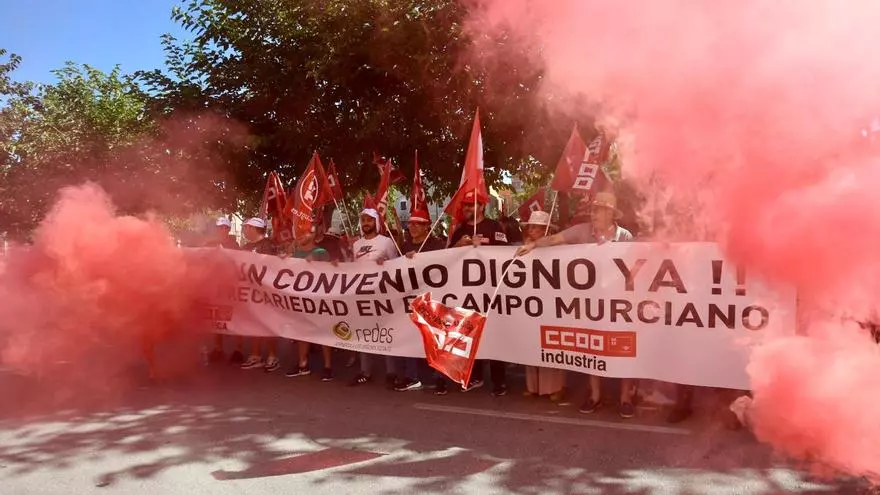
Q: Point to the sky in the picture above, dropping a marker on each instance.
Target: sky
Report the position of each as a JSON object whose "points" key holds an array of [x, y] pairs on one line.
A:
{"points": [[101, 33]]}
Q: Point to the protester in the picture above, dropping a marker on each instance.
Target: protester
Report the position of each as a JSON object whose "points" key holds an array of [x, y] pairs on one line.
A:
{"points": [[477, 230], [542, 381], [420, 239], [221, 238], [305, 247], [512, 230], [374, 247], [257, 242], [602, 228]]}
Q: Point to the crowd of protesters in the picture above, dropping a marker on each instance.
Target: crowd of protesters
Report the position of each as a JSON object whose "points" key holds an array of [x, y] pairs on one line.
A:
{"points": [[596, 221]]}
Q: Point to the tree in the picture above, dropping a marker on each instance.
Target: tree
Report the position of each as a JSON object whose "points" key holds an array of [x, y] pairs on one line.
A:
{"points": [[349, 77], [95, 126]]}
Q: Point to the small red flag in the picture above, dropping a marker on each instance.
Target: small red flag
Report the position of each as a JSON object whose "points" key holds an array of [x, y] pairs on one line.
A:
{"points": [[397, 176], [369, 202], [381, 199], [451, 336], [472, 180], [311, 192], [335, 183], [418, 208], [535, 203], [580, 167], [273, 205]]}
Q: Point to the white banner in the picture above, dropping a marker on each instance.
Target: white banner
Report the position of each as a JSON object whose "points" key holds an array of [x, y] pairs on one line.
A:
{"points": [[677, 313]]}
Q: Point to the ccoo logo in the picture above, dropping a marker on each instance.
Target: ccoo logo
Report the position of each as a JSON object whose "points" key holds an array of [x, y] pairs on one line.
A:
{"points": [[309, 189], [342, 330]]}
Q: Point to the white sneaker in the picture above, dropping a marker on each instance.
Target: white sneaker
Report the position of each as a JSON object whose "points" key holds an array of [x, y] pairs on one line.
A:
{"points": [[253, 362], [272, 364]]}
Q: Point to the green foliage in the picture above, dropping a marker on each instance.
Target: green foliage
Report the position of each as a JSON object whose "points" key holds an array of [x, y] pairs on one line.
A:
{"points": [[349, 77]]}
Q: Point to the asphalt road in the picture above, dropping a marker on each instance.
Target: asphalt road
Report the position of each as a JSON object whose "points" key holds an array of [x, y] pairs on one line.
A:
{"points": [[221, 430]]}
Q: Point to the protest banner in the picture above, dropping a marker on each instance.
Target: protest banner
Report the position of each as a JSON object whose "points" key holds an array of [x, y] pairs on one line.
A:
{"points": [[673, 312]]}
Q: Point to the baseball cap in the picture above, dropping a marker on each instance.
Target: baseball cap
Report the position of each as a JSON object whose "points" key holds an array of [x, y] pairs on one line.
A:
{"points": [[223, 222], [256, 222]]}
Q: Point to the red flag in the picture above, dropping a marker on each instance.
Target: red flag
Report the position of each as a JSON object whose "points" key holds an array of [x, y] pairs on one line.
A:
{"points": [[274, 202], [580, 166], [369, 202], [311, 192], [451, 336], [535, 203], [396, 175], [382, 194], [472, 180], [335, 183], [418, 207]]}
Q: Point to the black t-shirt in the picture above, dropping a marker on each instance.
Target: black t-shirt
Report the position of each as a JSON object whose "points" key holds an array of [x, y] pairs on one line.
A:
{"points": [[493, 234], [227, 243], [333, 246], [263, 246], [431, 244]]}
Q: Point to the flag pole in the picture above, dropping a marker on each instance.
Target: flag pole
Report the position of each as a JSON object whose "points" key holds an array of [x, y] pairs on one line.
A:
{"points": [[430, 232], [552, 209], [475, 214], [345, 225], [385, 221]]}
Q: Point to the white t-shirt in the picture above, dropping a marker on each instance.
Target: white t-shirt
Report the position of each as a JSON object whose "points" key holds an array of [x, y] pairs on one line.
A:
{"points": [[375, 248]]}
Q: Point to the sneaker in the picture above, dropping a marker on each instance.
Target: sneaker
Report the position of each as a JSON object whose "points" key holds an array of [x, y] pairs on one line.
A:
{"points": [[328, 375], [473, 385], [411, 384], [591, 406], [626, 410], [216, 356], [440, 388], [252, 362], [359, 380], [236, 358], [301, 371], [499, 391], [272, 364]]}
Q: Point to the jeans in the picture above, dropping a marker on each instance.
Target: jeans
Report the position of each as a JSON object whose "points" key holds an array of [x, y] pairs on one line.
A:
{"points": [[367, 361]]}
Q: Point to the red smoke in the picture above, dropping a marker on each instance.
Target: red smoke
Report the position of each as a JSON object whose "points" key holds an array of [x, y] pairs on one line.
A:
{"points": [[94, 289], [750, 113]]}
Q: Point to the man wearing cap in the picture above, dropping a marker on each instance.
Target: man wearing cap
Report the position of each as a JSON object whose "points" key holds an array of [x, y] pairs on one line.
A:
{"points": [[257, 242], [221, 236], [420, 239], [481, 231], [542, 381], [601, 229], [378, 248]]}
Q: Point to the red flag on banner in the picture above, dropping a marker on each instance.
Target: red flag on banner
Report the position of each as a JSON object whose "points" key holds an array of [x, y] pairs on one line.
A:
{"points": [[451, 336], [369, 202], [311, 192], [472, 181], [381, 199], [396, 175], [535, 203], [418, 207], [334, 182], [580, 166], [274, 202]]}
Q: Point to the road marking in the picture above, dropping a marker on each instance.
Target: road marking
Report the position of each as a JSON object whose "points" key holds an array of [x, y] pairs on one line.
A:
{"points": [[304, 463], [548, 419]]}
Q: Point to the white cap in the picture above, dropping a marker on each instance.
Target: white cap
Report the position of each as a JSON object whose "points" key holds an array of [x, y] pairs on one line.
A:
{"points": [[370, 212], [223, 222], [256, 222], [539, 218]]}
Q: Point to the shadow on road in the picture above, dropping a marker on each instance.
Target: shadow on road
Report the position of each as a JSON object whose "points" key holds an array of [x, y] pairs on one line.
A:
{"points": [[243, 426]]}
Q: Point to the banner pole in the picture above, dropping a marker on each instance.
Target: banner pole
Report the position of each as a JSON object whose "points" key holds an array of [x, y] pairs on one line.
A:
{"points": [[434, 226], [385, 221]]}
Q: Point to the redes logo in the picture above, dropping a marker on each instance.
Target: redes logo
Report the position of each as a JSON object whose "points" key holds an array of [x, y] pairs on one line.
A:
{"points": [[589, 341], [342, 330]]}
